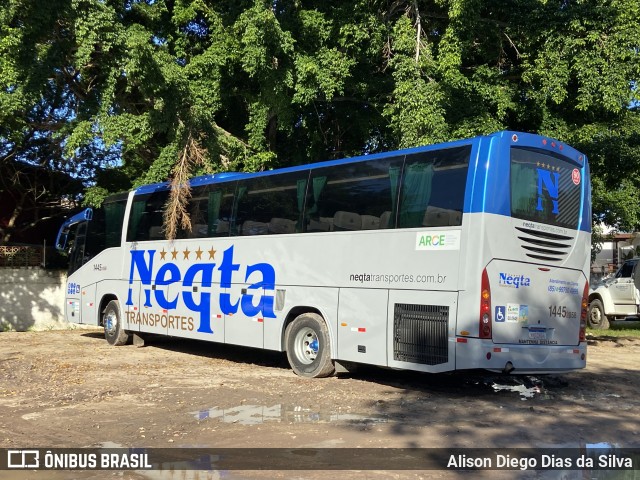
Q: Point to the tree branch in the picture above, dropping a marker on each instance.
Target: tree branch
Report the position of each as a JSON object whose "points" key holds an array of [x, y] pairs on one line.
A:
{"points": [[176, 213], [418, 30]]}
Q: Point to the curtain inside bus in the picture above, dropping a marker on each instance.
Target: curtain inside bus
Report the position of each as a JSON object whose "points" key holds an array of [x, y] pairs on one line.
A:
{"points": [[416, 193], [215, 200]]}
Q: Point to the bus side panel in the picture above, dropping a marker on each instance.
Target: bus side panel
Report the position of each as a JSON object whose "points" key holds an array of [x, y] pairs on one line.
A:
{"points": [[86, 286], [362, 325], [148, 316], [130, 307], [72, 304], [150, 319], [188, 323], [110, 287], [240, 328], [422, 330], [324, 300], [88, 307]]}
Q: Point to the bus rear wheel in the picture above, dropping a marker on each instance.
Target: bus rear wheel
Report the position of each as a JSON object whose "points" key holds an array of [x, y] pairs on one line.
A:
{"points": [[114, 331], [308, 346]]}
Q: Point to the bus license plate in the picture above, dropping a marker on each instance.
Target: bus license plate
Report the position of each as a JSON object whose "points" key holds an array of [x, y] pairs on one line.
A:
{"points": [[536, 333]]}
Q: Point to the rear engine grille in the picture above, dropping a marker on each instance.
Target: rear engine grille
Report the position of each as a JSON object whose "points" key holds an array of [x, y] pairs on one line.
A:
{"points": [[549, 247], [421, 333]]}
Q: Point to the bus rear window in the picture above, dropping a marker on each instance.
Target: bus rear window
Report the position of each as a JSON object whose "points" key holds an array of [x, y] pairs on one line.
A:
{"points": [[544, 188]]}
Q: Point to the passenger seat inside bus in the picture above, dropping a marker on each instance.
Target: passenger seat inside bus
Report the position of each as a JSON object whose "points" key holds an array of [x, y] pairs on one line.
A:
{"points": [[222, 227], [282, 225], [254, 228], [384, 220], [441, 217], [347, 221], [370, 222], [156, 232], [324, 224], [198, 230]]}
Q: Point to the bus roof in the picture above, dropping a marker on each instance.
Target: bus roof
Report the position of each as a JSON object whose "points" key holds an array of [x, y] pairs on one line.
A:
{"points": [[527, 138]]}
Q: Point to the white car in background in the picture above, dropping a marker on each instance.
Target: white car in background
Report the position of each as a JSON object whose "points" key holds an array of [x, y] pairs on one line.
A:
{"points": [[616, 297]]}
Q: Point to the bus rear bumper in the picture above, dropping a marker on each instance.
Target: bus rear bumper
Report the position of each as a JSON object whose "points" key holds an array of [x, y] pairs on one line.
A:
{"points": [[473, 353]]}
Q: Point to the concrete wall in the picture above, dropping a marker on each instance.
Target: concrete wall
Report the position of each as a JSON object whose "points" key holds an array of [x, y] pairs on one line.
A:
{"points": [[31, 298]]}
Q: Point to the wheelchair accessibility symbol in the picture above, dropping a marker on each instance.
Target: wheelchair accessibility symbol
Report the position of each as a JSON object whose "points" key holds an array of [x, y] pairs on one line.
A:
{"points": [[500, 315]]}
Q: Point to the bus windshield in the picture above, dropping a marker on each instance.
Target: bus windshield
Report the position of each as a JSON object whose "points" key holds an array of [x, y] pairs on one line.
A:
{"points": [[544, 188]]}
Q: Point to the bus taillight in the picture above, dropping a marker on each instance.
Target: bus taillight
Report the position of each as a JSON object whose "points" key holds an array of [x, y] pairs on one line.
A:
{"points": [[583, 313], [485, 307]]}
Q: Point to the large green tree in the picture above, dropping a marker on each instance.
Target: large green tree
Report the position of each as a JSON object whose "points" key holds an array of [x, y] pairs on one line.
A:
{"points": [[128, 92]]}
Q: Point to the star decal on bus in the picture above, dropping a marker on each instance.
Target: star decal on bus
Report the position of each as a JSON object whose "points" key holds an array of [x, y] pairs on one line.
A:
{"points": [[547, 166], [186, 253]]}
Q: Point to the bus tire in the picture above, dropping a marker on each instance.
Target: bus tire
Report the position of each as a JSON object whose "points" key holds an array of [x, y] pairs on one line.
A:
{"points": [[309, 347], [114, 331], [596, 318]]}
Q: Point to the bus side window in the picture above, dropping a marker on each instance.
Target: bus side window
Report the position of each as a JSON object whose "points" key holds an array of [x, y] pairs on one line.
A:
{"points": [[271, 205], [146, 220], [138, 228], [432, 190], [205, 208], [210, 208], [198, 214], [114, 209], [353, 196], [155, 209]]}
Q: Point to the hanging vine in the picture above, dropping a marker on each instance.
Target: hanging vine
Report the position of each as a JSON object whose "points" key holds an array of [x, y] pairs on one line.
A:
{"points": [[176, 215]]}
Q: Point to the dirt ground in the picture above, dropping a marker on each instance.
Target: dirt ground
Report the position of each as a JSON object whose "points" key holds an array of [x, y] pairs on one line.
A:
{"points": [[71, 389]]}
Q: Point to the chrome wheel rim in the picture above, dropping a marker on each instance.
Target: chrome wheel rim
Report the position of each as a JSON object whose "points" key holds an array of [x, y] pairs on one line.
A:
{"points": [[306, 345], [110, 322]]}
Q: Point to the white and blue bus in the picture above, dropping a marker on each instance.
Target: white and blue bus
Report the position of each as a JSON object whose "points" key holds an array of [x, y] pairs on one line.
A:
{"points": [[472, 254]]}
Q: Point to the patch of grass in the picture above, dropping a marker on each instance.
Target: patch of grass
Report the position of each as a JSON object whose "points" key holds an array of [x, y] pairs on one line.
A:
{"points": [[618, 329]]}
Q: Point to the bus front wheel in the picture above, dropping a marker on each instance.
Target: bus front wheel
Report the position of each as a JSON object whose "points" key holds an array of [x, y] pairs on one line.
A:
{"points": [[308, 346], [114, 331]]}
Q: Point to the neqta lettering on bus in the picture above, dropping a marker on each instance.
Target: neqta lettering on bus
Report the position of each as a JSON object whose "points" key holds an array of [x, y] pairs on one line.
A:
{"points": [[262, 274]]}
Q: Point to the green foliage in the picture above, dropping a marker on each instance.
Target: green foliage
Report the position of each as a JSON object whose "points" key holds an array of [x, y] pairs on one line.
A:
{"points": [[94, 196], [119, 86], [417, 113]]}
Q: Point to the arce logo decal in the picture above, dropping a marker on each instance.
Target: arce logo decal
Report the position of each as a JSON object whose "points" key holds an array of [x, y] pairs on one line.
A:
{"points": [[438, 240]]}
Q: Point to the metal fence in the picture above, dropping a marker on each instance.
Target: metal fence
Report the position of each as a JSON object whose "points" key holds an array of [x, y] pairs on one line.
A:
{"points": [[22, 256]]}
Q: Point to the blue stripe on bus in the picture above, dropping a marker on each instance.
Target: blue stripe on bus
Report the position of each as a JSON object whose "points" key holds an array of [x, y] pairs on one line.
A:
{"points": [[229, 176]]}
